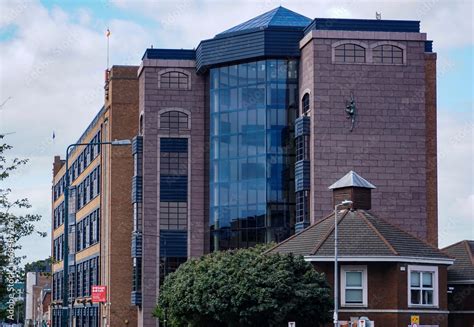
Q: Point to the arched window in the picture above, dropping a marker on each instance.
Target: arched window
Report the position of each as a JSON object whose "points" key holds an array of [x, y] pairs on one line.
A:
{"points": [[305, 103], [174, 80], [387, 54], [174, 120], [349, 52]]}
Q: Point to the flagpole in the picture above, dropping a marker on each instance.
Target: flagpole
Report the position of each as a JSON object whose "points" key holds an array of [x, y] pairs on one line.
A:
{"points": [[108, 35]]}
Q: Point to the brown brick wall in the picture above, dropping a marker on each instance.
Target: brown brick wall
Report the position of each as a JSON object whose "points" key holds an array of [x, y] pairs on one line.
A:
{"points": [[388, 145], [152, 100], [122, 114]]}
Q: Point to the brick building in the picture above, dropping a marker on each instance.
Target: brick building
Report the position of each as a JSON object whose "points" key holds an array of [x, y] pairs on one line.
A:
{"points": [[99, 211], [38, 286], [170, 203], [461, 283], [240, 137], [385, 274]]}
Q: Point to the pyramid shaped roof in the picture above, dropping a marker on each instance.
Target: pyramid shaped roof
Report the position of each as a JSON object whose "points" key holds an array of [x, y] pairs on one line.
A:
{"points": [[352, 179], [279, 16]]}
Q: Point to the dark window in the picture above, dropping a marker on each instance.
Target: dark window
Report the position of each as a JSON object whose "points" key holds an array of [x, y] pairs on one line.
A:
{"points": [[174, 120], [350, 53], [137, 274], [174, 163], [302, 207], [174, 80], [305, 103], [302, 148], [389, 54], [173, 215]]}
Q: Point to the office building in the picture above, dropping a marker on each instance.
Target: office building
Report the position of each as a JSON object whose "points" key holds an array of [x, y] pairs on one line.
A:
{"points": [[240, 137], [99, 211]]}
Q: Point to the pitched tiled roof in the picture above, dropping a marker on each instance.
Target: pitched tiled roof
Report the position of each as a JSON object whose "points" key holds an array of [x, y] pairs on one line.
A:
{"points": [[360, 234], [463, 267], [279, 16]]}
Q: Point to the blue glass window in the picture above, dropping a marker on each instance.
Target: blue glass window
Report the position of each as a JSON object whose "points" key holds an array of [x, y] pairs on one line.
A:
{"points": [[252, 198]]}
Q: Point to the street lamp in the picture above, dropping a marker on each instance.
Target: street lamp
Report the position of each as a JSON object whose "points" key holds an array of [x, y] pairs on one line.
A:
{"points": [[65, 304], [336, 279]]}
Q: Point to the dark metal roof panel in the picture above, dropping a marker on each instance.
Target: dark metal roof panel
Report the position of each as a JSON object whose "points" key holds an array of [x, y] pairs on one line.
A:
{"points": [[372, 25], [274, 42], [279, 16], [177, 54]]}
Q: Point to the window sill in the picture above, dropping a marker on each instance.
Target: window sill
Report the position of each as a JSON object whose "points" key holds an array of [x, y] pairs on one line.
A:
{"points": [[345, 305], [423, 306]]}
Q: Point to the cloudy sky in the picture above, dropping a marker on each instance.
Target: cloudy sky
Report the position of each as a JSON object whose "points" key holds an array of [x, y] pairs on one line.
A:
{"points": [[53, 54]]}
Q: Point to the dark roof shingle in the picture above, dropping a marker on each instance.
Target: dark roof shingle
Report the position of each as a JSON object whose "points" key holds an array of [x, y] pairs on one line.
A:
{"points": [[463, 267], [360, 234]]}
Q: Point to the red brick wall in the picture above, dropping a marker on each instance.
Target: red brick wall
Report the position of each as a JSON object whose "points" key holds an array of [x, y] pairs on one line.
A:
{"points": [[461, 299], [387, 290]]}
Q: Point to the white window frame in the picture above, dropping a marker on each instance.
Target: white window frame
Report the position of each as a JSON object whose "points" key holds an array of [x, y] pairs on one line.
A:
{"points": [[434, 271], [354, 268]]}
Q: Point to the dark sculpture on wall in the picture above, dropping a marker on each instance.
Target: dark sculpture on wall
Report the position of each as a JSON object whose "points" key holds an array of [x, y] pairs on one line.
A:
{"points": [[351, 110]]}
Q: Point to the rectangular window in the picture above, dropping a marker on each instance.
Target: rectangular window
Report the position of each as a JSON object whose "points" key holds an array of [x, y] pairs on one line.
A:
{"points": [[173, 215], [354, 286], [423, 286]]}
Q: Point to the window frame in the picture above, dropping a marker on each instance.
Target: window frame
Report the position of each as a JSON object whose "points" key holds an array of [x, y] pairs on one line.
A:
{"points": [[181, 81], [354, 268], [173, 120], [387, 60], [357, 47], [435, 288]]}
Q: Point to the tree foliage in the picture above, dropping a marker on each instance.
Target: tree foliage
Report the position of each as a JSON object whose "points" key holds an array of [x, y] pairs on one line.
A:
{"points": [[245, 288], [13, 226]]}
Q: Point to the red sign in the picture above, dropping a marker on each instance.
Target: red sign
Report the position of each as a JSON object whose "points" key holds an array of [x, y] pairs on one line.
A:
{"points": [[99, 294]]}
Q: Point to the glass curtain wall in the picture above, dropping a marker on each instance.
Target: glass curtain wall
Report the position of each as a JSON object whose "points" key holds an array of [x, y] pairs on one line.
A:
{"points": [[252, 110]]}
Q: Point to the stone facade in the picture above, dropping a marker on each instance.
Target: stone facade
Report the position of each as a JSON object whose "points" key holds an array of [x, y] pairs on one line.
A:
{"points": [[153, 102], [393, 143]]}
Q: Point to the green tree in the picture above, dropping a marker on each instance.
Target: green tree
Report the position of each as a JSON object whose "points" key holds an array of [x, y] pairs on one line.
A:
{"points": [[13, 227], [43, 266], [245, 288]]}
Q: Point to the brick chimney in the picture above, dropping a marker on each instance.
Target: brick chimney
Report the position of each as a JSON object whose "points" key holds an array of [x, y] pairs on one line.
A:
{"points": [[355, 188], [57, 164]]}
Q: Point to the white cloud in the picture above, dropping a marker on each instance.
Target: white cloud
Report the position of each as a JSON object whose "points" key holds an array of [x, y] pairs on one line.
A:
{"points": [[198, 20], [455, 177], [53, 70]]}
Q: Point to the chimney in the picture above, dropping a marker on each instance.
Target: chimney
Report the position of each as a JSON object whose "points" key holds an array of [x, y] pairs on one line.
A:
{"points": [[57, 164], [355, 188]]}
